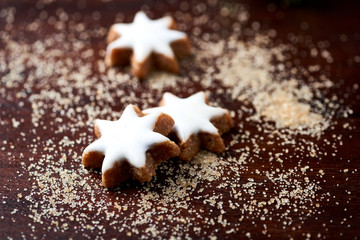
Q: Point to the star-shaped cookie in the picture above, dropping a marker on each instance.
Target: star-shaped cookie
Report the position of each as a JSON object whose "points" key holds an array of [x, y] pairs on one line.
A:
{"points": [[147, 44], [197, 125], [132, 146]]}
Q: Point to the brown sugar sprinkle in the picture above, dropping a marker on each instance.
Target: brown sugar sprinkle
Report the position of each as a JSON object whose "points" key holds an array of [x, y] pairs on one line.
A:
{"points": [[64, 85], [248, 71]]}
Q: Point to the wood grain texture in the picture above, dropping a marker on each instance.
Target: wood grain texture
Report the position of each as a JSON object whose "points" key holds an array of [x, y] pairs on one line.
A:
{"points": [[335, 24]]}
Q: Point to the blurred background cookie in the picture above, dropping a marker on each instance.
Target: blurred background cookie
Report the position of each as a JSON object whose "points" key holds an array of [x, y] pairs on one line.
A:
{"points": [[147, 44]]}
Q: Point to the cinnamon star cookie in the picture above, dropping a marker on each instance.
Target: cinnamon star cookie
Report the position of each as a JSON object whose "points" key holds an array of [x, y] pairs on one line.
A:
{"points": [[131, 147], [147, 44], [197, 125]]}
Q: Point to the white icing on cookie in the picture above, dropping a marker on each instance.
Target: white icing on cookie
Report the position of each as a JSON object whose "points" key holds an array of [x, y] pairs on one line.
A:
{"points": [[129, 137], [191, 115], [145, 36]]}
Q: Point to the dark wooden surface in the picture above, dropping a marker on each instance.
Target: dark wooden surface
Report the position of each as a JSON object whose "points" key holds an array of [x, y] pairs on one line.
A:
{"points": [[334, 23]]}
